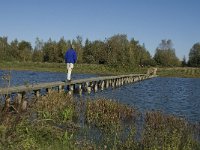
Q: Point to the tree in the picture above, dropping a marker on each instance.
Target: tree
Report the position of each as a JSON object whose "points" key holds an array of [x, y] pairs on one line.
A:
{"points": [[88, 54], [5, 50], [165, 54], [118, 50], [184, 63], [62, 47], [24, 51], [194, 55], [79, 48], [38, 53], [14, 46], [50, 51]]}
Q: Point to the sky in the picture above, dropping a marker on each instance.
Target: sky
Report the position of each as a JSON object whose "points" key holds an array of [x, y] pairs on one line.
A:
{"points": [[147, 21]]}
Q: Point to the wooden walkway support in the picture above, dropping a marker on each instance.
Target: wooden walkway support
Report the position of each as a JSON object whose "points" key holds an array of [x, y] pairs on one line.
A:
{"points": [[81, 85]]}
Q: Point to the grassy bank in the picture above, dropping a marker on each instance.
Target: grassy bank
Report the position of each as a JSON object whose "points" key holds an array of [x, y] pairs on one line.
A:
{"points": [[101, 69], [58, 121], [78, 68], [185, 72]]}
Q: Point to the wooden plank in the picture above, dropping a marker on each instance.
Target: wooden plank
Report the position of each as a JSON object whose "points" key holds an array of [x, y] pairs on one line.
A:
{"points": [[35, 87]]}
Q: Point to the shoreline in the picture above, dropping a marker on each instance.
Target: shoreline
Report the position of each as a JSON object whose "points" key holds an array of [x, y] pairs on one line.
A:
{"points": [[183, 72]]}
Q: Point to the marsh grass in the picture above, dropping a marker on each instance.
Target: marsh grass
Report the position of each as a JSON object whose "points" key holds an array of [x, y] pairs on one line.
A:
{"points": [[167, 132], [105, 113], [59, 121], [185, 72]]}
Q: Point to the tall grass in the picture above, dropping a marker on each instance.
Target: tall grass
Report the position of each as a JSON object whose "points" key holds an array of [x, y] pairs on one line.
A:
{"points": [[58, 121]]}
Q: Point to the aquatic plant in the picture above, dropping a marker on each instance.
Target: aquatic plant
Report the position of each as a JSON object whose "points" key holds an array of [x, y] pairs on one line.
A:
{"points": [[167, 132], [59, 121], [105, 113]]}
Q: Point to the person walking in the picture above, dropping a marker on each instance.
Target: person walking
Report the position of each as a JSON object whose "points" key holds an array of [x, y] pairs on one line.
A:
{"points": [[70, 60]]}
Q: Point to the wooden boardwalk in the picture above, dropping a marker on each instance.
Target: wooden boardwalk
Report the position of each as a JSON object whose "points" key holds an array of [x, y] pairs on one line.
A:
{"points": [[81, 85], [88, 84]]}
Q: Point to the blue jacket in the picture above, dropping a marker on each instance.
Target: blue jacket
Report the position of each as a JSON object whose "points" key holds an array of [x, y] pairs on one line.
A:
{"points": [[70, 56]]}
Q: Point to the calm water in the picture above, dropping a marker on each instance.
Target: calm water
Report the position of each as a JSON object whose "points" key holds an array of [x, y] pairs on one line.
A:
{"points": [[31, 77], [178, 96]]}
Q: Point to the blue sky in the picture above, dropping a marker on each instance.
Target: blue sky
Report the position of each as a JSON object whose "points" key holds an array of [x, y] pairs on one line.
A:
{"points": [[148, 21]]}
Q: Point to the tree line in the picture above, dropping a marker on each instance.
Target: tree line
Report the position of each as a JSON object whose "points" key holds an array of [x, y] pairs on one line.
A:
{"points": [[115, 50]]}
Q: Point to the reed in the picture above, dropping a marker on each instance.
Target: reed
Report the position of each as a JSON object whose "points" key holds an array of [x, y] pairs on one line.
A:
{"points": [[59, 121]]}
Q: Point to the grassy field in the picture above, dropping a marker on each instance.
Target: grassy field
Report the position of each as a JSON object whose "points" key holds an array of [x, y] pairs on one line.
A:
{"points": [[101, 69], [185, 72], [78, 68]]}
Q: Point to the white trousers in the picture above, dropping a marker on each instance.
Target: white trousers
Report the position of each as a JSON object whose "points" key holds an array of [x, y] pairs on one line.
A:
{"points": [[70, 66]]}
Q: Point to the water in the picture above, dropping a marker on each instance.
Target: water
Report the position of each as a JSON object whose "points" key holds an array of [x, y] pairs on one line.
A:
{"points": [[178, 96], [31, 77]]}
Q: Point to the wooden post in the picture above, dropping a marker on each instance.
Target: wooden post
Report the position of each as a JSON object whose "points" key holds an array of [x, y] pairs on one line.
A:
{"points": [[80, 89], [71, 89], [102, 85], [95, 87], [60, 88], [107, 84], [48, 90], [113, 83], [89, 89], [116, 82], [37, 93]]}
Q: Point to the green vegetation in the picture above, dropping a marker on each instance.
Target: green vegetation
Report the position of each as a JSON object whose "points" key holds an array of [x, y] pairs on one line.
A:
{"points": [[101, 69], [165, 54], [194, 55], [115, 51], [185, 72], [79, 68], [58, 121]]}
